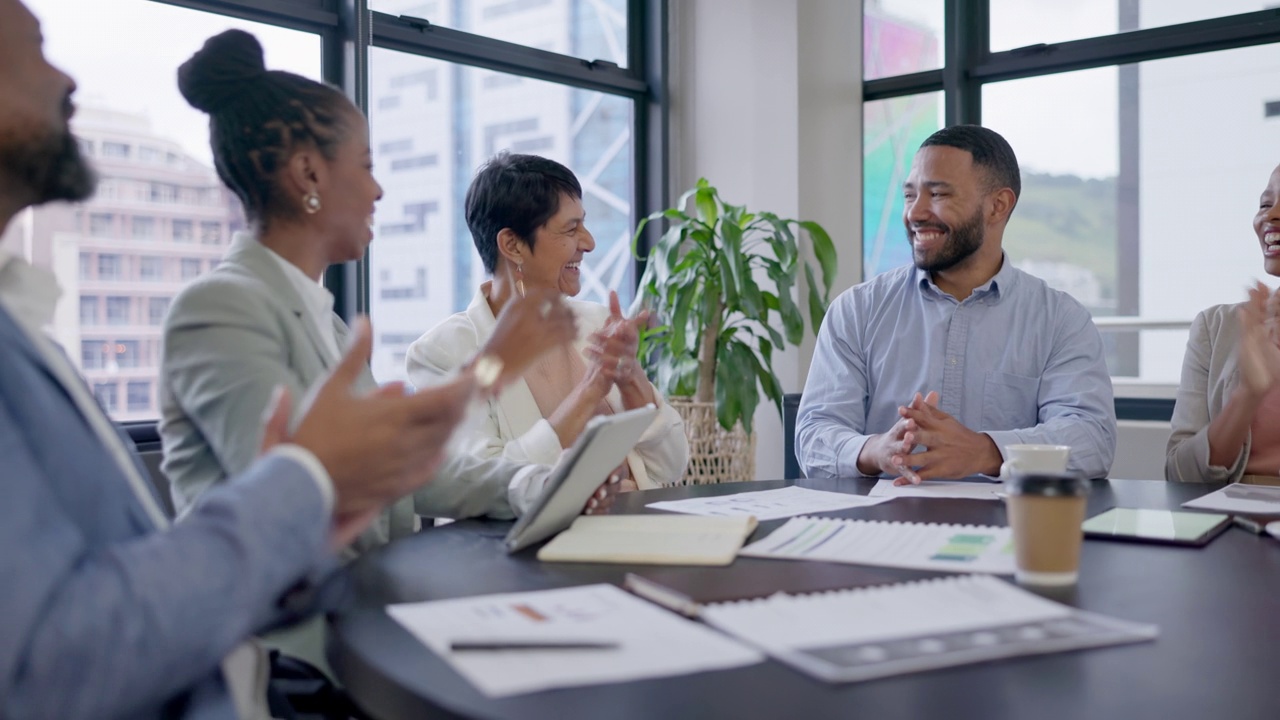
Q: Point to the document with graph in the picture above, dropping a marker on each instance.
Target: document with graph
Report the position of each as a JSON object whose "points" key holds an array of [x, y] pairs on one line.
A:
{"points": [[867, 633], [523, 642], [917, 546]]}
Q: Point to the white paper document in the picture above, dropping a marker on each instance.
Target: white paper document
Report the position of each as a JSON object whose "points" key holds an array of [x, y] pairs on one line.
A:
{"points": [[769, 504], [867, 633], [917, 546], [939, 489], [650, 642], [1240, 498]]}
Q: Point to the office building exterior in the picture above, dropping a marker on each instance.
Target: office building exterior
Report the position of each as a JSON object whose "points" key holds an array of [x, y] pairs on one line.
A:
{"points": [[160, 218]]}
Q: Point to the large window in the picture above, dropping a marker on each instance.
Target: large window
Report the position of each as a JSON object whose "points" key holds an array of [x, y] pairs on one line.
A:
{"points": [[564, 78], [591, 29], [158, 184], [1142, 147], [434, 123]]}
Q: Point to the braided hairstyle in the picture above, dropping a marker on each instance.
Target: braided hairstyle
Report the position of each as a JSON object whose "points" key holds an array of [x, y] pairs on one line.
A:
{"points": [[258, 118]]}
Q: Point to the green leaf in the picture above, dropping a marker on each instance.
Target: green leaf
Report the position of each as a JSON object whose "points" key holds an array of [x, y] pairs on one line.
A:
{"points": [[752, 301], [708, 208], [792, 320], [684, 298], [825, 252], [744, 361], [729, 285], [817, 308], [729, 395], [768, 381]]}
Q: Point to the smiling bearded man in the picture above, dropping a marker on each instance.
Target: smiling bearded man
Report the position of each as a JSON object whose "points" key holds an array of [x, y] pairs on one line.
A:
{"points": [[931, 370]]}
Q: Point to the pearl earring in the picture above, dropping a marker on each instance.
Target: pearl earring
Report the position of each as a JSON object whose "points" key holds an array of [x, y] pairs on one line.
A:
{"points": [[311, 202]]}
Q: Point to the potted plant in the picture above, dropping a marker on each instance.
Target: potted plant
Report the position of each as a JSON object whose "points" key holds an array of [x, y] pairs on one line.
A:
{"points": [[713, 333]]}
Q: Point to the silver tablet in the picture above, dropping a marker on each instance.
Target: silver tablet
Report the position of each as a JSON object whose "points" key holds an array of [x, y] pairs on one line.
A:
{"points": [[601, 447]]}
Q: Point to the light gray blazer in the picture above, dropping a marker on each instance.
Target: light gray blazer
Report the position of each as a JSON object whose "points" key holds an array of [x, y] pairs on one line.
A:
{"points": [[230, 338], [1209, 375]]}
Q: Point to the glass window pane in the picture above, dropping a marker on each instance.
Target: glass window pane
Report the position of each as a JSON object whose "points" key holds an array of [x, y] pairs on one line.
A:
{"points": [[901, 37], [1143, 206], [591, 29], [158, 187], [423, 264], [1018, 23], [892, 131]]}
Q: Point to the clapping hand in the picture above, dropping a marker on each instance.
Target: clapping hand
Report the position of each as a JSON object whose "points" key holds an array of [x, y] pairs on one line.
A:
{"points": [[614, 347], [376, 447], [1259, 352], [528, 327]]}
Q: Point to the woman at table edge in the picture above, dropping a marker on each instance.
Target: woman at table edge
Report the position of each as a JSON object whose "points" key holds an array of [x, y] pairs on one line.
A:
{"points": [[1226, 419]]}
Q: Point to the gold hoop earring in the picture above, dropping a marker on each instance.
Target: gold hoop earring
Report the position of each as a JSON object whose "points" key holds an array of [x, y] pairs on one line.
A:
{"points": [[520, 279], [311, 202]]}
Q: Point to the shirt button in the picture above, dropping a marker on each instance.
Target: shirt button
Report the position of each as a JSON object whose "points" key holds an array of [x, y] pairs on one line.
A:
{"points": [[952, 359]]}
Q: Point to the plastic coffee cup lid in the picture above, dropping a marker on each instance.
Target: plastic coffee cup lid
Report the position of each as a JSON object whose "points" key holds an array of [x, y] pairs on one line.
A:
{"points": [[1047, 485]]}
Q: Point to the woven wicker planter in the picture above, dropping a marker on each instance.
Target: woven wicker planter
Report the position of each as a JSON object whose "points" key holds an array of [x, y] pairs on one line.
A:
{"points": [[715, 455]]}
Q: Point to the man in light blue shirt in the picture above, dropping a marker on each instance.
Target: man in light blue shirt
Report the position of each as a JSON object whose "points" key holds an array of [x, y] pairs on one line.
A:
{"points": [[960, 355]]}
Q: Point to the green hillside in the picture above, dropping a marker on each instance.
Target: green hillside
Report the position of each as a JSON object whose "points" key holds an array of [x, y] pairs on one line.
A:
{"points": [[1067, 219]]}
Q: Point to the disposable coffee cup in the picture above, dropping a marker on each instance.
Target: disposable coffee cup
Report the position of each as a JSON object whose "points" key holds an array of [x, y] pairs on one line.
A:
{"points": [[1026, 459], [1046, 511]]}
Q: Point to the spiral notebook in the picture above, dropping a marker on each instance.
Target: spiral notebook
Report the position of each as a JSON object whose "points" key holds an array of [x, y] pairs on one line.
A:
{"points": [[868, 633], [916, 546]]}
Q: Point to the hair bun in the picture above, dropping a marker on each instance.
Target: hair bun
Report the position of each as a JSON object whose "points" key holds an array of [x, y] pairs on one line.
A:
{"points": [[217, 73]]}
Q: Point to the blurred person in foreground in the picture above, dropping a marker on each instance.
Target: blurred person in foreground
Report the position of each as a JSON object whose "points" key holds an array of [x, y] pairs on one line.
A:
{"points": [[108, 611]]}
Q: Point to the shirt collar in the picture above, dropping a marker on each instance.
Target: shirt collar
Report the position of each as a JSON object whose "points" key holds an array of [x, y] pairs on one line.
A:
{"points": [[997, 287], [29, 293], [318, 300]]}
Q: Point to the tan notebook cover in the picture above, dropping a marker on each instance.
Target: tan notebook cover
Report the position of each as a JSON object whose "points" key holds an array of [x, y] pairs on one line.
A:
{"points": [[650, 540]]}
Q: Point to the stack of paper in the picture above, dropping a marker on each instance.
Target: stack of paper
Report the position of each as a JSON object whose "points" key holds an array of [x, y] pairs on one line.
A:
{"points": [[769, 504], [889, 630], [1240, 499], [637, 640], [950, 548], [939, 489], [650, 540]]}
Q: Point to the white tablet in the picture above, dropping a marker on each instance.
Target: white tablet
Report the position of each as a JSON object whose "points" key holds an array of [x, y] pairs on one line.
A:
{"points": [[601, 447]]}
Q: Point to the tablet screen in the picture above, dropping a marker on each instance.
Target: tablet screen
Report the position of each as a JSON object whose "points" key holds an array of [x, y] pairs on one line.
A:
{"points": [[1158, 525]]}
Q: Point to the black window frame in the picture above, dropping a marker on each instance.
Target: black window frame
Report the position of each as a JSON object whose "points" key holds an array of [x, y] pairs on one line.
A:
{"points": [[348, 28], [969, 64]]}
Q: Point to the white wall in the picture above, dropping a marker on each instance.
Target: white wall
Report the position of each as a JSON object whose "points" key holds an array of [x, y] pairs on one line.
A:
{"points": [[766, 104]]}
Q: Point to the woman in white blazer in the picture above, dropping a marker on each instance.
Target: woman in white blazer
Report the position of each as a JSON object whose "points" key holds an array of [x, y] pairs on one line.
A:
{"points": [[1226, 420], [526, 218]]}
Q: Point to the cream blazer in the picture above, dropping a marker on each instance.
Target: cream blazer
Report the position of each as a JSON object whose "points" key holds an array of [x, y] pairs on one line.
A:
{"points": [[1209, 375], [513, 427]]}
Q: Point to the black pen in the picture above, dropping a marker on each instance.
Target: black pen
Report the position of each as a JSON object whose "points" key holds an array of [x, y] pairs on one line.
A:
{"points": [[470, 645]]}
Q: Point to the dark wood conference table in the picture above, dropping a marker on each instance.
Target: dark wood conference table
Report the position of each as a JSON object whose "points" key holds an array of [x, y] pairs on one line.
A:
{"points": [[1218, 608]]}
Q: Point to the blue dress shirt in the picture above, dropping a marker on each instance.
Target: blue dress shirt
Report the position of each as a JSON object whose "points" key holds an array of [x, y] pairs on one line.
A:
{"points": [[1017, 360]]}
